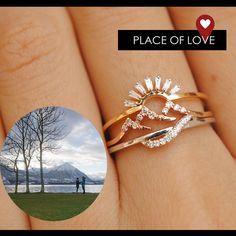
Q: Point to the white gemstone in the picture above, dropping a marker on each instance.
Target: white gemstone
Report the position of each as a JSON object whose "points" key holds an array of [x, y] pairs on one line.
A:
{"points": [[128, 103], [126, 125], [139, 117], [177, 107], [187, 118], [143, 112], [179, 127], [157, 143], [175, 89], [184, 120], [149, 84], [145, 109], [140, 88], [183, 110], [168, 138], [158, 83], [166, 85], [169, 104], [151, 145], [165, 110], [147, 143], [162, 141], [124, 128], [129, 121], [151, 116], [134, 125], [134, 95], [173, 133]]}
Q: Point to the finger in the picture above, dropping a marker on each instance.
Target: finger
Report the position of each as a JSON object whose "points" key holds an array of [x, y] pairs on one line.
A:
{"points": [[40, 65], [174, 186], [12, 217], [213, 70]]}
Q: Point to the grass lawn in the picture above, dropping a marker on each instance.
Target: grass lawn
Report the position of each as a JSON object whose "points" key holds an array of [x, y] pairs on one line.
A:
{"points": [[53, 206]]}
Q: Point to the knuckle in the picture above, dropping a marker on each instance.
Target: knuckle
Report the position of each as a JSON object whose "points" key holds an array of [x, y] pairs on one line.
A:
{"points": [[29, 45]]}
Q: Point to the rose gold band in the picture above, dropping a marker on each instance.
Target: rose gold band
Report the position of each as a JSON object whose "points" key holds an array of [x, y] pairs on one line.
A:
{"points": [[137, 107]]}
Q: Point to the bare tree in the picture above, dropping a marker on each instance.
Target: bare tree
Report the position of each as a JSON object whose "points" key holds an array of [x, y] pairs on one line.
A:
{"points": [[48, 127], [9, 159], [23, 139]]}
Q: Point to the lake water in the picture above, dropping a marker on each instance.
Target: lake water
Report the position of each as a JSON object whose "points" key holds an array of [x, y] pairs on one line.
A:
{"points": [[56, 188]]}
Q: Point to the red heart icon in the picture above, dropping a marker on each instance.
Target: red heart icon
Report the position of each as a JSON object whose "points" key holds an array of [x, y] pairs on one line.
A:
{"points": [[205, 24]]}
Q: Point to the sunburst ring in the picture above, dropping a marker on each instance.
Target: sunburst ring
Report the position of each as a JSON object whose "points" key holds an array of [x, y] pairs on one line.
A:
{"points": [[139, 95]]}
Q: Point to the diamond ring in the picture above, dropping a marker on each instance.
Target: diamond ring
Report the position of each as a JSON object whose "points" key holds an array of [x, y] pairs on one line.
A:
{"points": [[137, 111]]}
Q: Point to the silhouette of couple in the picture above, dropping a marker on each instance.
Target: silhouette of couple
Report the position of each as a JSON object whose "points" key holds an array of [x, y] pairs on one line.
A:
{"points": [[82, 184]]}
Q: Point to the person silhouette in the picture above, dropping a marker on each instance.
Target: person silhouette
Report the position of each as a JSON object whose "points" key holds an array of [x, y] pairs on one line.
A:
{"points": [[77, 185], [83, 184]]}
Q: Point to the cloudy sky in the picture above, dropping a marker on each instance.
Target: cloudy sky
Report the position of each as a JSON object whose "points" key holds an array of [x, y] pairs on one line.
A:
{"points": [[82, 147]]}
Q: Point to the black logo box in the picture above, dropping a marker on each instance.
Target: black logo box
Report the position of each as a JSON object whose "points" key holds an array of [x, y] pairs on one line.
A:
{"points": [[126, 40]]}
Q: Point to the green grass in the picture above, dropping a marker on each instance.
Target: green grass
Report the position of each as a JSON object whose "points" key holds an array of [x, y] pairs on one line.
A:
{"points": [[53, 206]]}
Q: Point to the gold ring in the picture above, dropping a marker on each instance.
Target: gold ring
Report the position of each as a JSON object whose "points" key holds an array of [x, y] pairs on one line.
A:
{"points": [[136, 106]]}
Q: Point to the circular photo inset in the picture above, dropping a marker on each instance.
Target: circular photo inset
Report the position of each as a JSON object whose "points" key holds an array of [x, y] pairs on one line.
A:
{"points": [[53, 163]]}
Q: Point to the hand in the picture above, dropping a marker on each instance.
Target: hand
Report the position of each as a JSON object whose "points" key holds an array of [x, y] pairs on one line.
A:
{"points": [[69, 57]]}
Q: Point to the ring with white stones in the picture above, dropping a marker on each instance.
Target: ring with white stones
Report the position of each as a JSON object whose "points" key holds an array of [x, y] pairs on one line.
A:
{"points": [[137, 108]]}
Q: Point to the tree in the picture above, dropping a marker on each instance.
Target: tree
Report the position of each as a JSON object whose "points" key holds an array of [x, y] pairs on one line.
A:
{"points": [[23, 139], [47, 125], [9, 159]]}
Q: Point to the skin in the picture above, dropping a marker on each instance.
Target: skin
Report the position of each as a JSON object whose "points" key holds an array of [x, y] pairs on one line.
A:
{"points": [[211, 77], [48, 56]]}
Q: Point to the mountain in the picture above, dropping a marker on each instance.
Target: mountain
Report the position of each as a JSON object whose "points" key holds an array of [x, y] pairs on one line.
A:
{"points": [[65, 173], [62, 174], [9, 176]]}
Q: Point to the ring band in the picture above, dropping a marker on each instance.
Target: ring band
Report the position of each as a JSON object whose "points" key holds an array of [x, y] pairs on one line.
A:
{"points": [[137, 105], [157, 134], [173, 97]]}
